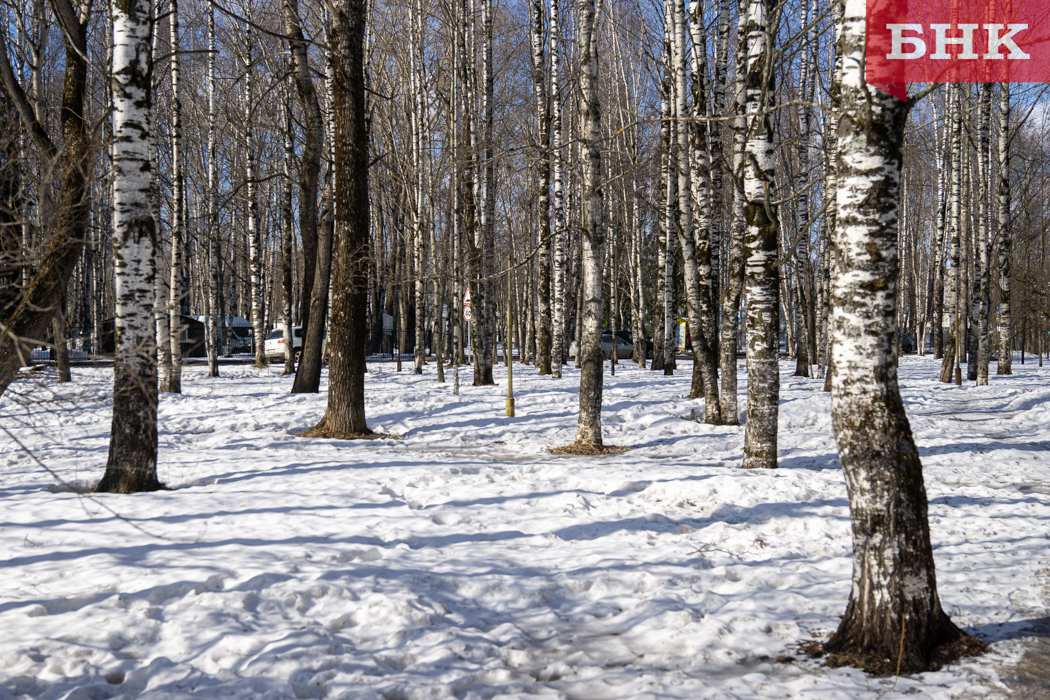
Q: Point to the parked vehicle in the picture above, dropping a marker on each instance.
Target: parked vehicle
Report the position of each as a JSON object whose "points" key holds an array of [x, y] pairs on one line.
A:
{"points": [[624, 346], [275, 349], [238, 333]]}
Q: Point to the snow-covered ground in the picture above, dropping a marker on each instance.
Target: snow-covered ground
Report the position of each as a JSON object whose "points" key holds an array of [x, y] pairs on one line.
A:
{"points": [[463, 560]]}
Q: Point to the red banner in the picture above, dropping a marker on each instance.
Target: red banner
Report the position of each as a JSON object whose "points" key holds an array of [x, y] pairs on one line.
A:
{"points": [[948, 41]]}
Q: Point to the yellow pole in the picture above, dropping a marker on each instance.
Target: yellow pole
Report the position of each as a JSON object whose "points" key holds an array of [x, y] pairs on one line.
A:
{"points": [[510, 359]]}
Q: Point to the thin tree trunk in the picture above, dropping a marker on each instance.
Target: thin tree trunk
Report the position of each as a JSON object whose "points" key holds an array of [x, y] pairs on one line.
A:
{"points": [[214, 276], [543, 182], [951, 290], [693, 269], [416, 53], [735, 271], [558, 291], [1005, 234], [177, 211], [286, 241], [982, 253], [255, 266], [310, 164], [58, 328], [803, 289]]}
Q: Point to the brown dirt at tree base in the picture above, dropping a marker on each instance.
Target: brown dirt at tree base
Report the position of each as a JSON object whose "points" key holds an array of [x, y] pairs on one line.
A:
{"points": [[963, 646], [128, 486], [322, 431], [590, 450]]}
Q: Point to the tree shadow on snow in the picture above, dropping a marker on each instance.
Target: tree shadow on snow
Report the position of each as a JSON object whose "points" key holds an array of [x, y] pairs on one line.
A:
{"points": [[1014, 629]]}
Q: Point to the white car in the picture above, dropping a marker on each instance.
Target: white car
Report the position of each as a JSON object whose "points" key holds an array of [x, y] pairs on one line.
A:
{"points": [[274, 347]]}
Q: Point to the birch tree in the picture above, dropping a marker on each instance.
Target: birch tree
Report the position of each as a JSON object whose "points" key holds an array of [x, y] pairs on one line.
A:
{"points": [[951, 287], [560, 220], [543, 183], [132, 463], [685, 225], [1004, 233], [762, 276], [894, 616], [255, 265], [176, 301], [735, 266], [589, 425]]}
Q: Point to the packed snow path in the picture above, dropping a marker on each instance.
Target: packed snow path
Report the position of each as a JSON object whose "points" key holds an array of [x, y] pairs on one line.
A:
{"points": [[463, 560]]}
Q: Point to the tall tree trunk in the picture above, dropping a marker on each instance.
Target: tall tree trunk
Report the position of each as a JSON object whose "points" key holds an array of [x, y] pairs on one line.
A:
{"points": [[694, 270], [310, 163], [982, 253], [418, 118], [951, 287], [592, 235], [160, 286], [735, 272], [177, 212], [255, 252], [30, 319], [286, 240], [558, 291], [894, 613], [762, 276], [132, 464], [1005, 234], [485, 320], [803, 288], [345, 416], [543, 183], [943, 165], [215, 251]]}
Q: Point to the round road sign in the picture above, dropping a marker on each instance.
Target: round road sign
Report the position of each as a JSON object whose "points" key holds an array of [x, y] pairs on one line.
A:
{"points": [[467, 314]]}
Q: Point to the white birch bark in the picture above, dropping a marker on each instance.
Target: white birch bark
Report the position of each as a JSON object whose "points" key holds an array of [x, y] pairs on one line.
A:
{"points": [[692, 268], [160, 285], [416, 48], [558, 348], [761, 278], [178, 184], [255, 271], [805, 346], [894, 615], [287, 251], [540, 76], [592, 238], [735, 269], [983, 257], [1005, 235], [951, 287], [132, 463]]}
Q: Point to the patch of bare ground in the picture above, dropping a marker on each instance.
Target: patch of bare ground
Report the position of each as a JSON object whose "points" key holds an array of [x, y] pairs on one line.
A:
{"points": [[322, 432], [962, 647], [588, 451]]}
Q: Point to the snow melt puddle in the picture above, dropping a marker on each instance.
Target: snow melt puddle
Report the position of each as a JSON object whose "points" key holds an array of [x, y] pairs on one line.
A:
{"points": [[465, 561]]}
